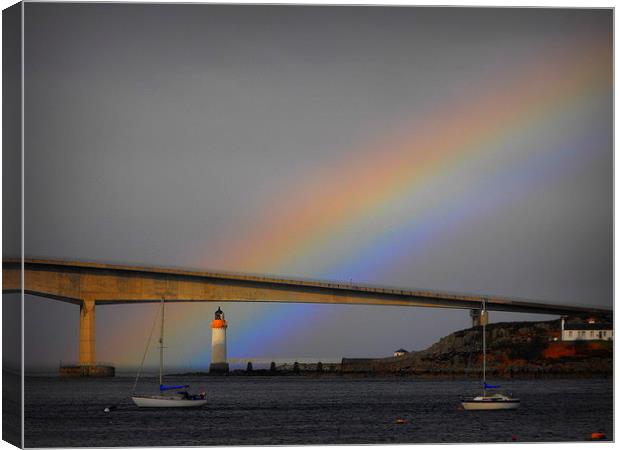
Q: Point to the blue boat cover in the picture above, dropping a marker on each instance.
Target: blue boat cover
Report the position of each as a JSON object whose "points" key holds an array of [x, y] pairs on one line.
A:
{"points": [[163, 387], [488, 386]]}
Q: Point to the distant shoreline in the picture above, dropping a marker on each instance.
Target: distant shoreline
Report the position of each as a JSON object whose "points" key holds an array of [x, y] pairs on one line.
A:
{"points": [[377, 375], [436, 375], [517, 350]]}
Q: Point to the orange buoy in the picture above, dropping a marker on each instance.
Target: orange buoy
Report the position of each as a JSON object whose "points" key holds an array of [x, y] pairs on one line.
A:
{"points": [[598, 436], [401, 421]]}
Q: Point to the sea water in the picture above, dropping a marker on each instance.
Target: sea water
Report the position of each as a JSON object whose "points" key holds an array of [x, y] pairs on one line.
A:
{"points": [[262, 410]]}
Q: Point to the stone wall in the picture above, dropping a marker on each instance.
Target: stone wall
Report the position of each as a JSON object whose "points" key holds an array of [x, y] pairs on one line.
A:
{"points": [[87, 371]]}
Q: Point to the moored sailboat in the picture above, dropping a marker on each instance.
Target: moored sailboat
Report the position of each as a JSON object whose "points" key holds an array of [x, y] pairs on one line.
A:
{"points": [[494, 401], [169, 396]]}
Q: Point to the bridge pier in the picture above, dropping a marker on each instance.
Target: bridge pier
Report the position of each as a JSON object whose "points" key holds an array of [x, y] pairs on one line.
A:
{"points": [[87, 333], [87, 361], [478, 318]]}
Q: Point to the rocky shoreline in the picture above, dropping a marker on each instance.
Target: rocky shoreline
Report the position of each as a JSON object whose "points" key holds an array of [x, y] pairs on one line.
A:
{"points": [[514, 350]]}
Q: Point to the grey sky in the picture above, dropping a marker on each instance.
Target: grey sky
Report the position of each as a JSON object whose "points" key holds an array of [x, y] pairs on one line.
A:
{"points": [[152, 131]]}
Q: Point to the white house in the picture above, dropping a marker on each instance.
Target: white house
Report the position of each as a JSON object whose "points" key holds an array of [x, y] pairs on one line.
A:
{"points": [[400, 352], [590, 330]]}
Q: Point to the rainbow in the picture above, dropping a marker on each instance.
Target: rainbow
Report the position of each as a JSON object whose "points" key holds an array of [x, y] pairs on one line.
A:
{"points": [[303, 233], [320, 209]]}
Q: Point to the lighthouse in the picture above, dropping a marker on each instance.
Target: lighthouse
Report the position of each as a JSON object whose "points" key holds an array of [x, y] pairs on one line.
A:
{"points": [[219, 364]]}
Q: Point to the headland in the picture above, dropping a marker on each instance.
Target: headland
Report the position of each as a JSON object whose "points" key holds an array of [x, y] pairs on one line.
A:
{"points": [[514, 350]]}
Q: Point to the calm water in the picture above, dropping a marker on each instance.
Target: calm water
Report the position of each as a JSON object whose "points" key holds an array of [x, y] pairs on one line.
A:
{"points": [[299, 410]]}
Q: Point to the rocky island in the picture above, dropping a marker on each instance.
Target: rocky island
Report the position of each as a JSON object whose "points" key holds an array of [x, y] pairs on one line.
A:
{"points": [[514, 349]]}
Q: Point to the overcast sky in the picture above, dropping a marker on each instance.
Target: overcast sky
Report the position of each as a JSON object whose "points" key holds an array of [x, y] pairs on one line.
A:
{"points": [[456, 149]]}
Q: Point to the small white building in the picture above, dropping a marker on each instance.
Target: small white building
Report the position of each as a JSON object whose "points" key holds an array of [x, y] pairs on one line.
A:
{"points": [[590, 330], [400, 352]]}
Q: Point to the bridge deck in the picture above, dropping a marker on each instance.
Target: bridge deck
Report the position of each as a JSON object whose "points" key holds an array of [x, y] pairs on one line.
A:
{"points": [[328, 292]]}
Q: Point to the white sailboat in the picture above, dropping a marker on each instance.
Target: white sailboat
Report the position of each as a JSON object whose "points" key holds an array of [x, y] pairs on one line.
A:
{"points": [[494, 401], [169, 396]]}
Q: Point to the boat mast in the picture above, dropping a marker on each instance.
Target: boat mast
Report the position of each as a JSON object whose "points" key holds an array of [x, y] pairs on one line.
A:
{"points": [[484, 349], [161, 344]]}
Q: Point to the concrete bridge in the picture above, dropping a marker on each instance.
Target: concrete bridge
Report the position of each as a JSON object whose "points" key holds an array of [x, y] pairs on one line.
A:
{"points": [[90, 284]]}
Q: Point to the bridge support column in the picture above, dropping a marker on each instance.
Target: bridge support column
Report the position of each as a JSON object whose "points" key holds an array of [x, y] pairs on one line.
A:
{"points": [[87, 333], [478, 318]]}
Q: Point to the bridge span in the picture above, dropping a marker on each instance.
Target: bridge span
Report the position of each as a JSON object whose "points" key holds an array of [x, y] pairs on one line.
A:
{"points": [[88, 284]]}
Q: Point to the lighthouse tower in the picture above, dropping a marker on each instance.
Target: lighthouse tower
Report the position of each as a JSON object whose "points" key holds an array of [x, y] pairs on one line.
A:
{"points": [[219, 364]]}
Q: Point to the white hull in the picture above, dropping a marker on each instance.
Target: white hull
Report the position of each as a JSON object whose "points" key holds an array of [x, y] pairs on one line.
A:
{"points": [[488, 405], [160, 401]]}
